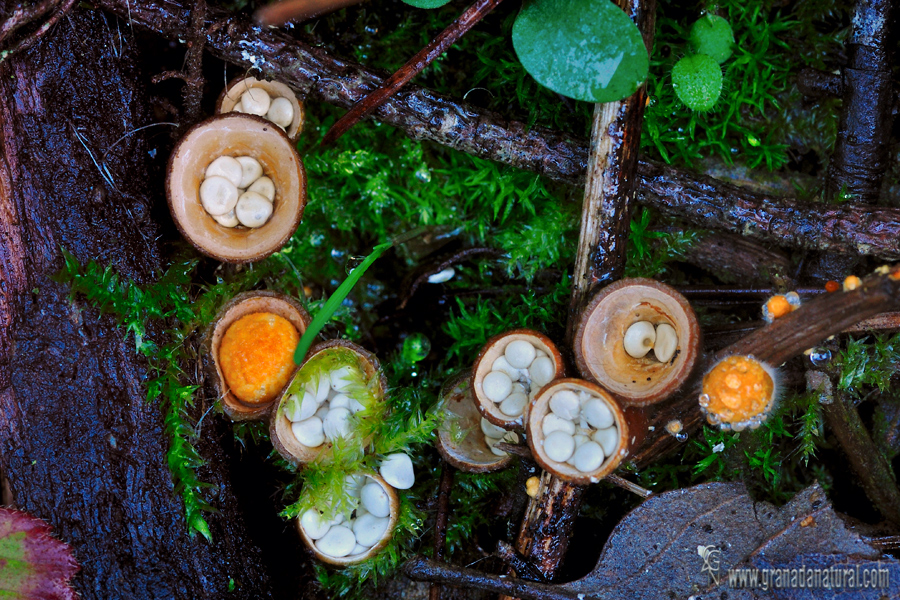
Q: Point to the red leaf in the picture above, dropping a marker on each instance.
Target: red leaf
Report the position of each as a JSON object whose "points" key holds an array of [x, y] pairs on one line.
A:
{"points": [[33, 564]]}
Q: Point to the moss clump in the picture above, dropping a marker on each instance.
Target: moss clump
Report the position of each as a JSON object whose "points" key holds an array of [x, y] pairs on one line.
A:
{"points": [[712, 35], [697, 80]]}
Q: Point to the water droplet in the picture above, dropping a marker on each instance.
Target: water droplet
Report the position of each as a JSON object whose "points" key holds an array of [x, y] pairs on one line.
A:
{"points": [[704, 400], [338, 255], [416, 347], [681, 436], [423, 175], [352, 263], [820, 356], [713, 419], [317, 239]]}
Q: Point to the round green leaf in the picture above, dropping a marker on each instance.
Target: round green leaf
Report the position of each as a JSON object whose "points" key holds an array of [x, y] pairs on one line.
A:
{"points": [[584, 49], [712, 35], [697, 80], [427, 3]]}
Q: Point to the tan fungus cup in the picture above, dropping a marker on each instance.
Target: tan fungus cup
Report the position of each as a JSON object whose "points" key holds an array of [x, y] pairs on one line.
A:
{"points": [[235, 134], [231, 95], [280, 426], [358, 558], [471, 454], [241, 305], [492, 350], [540, 407], [600, 351]]}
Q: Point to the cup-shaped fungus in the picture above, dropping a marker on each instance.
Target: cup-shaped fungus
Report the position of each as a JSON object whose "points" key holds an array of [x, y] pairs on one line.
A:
{"points": [[779, 305], [345, 539], [639, 339], [236, 187], [272, 100], [249, 351], [510, 370], [739, 392], [577, 431], [465, 439], [336, 383]]}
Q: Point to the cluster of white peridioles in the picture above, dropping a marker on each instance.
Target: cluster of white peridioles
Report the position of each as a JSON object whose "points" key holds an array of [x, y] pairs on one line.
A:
{"points": [[516, 376], [236, 192], [580, 430]]}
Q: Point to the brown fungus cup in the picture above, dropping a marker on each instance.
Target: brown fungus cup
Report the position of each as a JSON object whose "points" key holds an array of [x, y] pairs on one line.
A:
{"points": [[352, 538], [639, 339], [278, 103], [465, 439], [577, 431], [337, 380], [249, 304], [226, 137], [508, 373]]}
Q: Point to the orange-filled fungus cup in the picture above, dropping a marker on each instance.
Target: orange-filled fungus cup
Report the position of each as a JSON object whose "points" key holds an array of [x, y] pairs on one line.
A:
{"points": [[738, 392], [250, 351]]}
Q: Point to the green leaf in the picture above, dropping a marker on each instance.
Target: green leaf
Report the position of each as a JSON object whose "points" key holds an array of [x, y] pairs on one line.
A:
{"points": [[712, 36], [33, 564], [585, 49], [697, 80], [427, 3], [324, 315]]}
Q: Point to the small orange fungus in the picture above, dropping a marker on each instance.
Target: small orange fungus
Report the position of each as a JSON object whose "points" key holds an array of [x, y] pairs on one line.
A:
{"points": [[832, 286], [738, 392], [851, 283], [257, 356], [780, 305]]}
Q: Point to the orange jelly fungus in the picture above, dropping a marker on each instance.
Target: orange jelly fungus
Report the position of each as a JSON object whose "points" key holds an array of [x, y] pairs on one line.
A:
{"points": [[851, 283], [738, 388], [778, 306], [257, 356], [832, 286]]}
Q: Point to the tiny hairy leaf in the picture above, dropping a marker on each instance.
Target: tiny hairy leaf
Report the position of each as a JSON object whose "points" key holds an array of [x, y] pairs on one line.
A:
{"points": [[712, 35], [697, 80]]}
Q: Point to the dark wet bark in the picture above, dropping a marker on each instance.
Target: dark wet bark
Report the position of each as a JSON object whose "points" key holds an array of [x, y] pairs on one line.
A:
{"points": [[735, 259], [707, 202], [79, 445], [424, 114], [859, 160]]}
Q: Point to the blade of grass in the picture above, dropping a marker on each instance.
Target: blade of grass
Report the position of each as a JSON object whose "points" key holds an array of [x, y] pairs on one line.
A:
{"points": [[332, 304]]}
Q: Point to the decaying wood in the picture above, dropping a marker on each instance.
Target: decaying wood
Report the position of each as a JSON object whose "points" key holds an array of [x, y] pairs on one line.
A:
{"points": [[733, 257], [706, 202], [547, 526], [859, 160], [600, 259], [440, 521], [874, 473], [424, 114], [81, 446], [806, 327], [423, 569], [415, 65]]}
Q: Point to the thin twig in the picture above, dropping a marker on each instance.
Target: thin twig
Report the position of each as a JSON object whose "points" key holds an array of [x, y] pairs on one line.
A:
{"points": [[32, 39], [413, 67], [297, 11], [424, 114], [24, 15], [440, 522], [628, 485]]}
